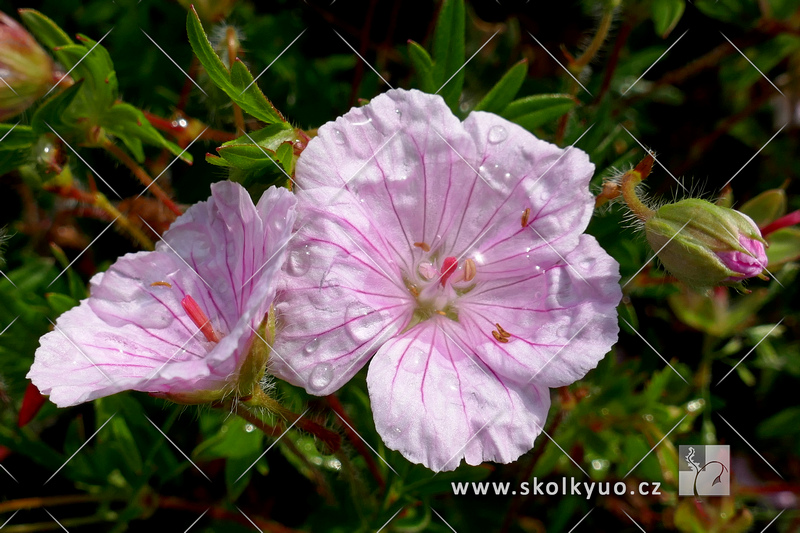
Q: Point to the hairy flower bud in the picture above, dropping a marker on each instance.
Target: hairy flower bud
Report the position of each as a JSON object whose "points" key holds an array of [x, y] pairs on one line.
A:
{"points": [[703, 244], [25, 68]]}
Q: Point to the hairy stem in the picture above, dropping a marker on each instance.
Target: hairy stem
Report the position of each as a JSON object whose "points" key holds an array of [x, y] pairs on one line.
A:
{"points": [[630, 180]]}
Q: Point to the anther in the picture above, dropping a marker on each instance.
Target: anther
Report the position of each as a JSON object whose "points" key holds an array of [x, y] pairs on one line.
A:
{"points": [[199, 318], [470, 270], [425, 247], [525, 216], [500, 335], [160, 284]]}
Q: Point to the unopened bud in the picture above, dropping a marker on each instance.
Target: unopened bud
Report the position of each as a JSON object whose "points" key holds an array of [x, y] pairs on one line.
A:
{"points": [[704, 245], [26, 70]]}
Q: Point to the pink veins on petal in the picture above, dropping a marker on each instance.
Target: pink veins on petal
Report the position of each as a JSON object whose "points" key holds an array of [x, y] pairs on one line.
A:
{"points": [[453, 253], [176, 322]]}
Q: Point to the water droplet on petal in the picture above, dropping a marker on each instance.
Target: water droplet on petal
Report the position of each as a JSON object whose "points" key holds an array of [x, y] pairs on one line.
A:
{"points": [[414, 360], [399, 113], [397, 430], [311, 346], [586, 264], [321, 376], [338, 137], [497, 134], [299, 261], [278, 224], [544, 194], [362, 322]]}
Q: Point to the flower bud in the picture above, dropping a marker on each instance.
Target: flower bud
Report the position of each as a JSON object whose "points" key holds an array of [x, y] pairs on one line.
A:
{"points": [[703, 244], [26, 70]]}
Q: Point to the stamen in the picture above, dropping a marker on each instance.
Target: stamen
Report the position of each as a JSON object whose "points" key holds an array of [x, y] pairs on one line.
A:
{"points": [[449, 266], [199, 318], [160, 284], [500, 335], [442, 313], [470, 270], [425, 247], [525, 215]]}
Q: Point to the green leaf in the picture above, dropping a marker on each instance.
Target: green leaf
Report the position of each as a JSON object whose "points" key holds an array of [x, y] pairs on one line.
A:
{"points": [[285, 154], [45, 30], [448, 52], [52, 111], [766, 207], [60, 303], [423, 64], [247, 156], [498, 98], [131, 126], [92, 63], [534, 111], [253, 100], [666, 14], [784, 246], [779, 425], [15, 137]]}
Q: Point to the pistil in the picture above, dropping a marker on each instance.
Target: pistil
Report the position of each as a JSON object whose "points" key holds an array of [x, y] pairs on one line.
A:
{"points": [[199, 318]]}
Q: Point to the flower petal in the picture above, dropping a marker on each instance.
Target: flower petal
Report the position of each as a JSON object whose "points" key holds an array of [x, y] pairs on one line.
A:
{"points": [[561, 320], [337, 302], [133, 332], [436, 402]]}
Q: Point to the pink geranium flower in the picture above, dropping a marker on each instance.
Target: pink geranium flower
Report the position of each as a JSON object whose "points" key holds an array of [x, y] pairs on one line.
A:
{"points": [[177, 322], [453, 252]]}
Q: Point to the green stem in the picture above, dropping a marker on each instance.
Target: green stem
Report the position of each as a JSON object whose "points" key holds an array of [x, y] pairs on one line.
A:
{"points": [[597, 41], [630, 180]]}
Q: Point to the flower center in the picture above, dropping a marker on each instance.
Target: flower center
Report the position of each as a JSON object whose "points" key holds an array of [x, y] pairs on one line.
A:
{"points": [[436, 285], [199, 318]]}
